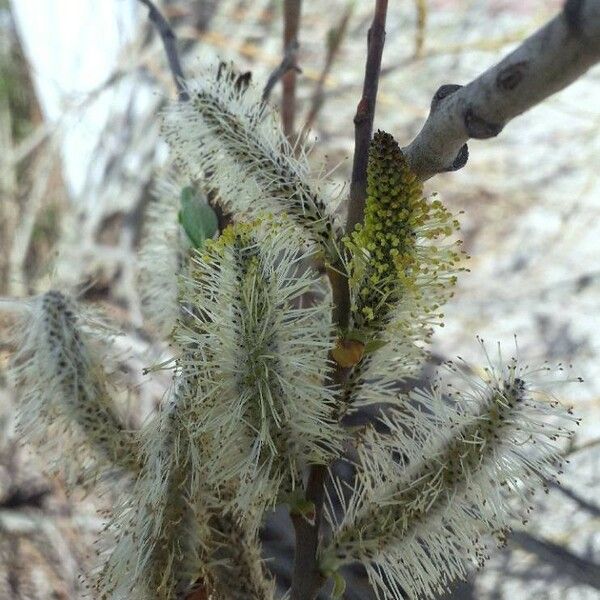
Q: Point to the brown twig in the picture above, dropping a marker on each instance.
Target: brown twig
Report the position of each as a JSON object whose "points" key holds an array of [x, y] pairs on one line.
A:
{"points": [[25, 227], [169, 41], [9, 204], [548, 61], [291, 25], [365, 113], [334, 42], [288, 63], [421, 6], [307, 578]]}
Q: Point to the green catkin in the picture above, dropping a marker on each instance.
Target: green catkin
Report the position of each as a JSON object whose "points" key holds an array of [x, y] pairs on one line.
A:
{"points": [[394, 256], [402, 270]]}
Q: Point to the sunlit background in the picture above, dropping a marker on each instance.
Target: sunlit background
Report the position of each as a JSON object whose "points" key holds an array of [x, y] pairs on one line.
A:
{"points": [[82, 83]]}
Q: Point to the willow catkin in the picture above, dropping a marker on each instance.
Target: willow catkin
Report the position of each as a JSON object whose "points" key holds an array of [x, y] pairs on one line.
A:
{"points": [[263, 357], [227, 135], [469, 464], [162, 528], [403, 267], [176, 531], [64, 401]]}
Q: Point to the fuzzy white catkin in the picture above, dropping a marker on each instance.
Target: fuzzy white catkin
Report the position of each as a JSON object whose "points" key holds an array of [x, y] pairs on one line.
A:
{"points": [[264, 360], [417, 520], [175, 531], [239, 571], [64, 401], [161, 529], [227, 135]]}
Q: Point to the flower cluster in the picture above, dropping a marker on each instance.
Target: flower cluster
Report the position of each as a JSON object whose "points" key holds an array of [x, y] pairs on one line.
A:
{"points": [[395, 260], [260, 386], [446, 471], [402, 270], [162, 528], [176, 530]]}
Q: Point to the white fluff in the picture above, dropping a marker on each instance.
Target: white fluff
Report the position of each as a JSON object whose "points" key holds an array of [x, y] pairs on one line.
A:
{"points": [[226, 135], [163, 251], [446, 473], [261, 361], [64, 401]]}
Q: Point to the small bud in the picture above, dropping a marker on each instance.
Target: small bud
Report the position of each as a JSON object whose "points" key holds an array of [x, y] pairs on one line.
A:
{"points": [[347, 353]]}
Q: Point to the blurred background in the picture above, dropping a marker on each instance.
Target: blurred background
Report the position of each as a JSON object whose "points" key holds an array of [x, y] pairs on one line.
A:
{"points": [[82, 84]]}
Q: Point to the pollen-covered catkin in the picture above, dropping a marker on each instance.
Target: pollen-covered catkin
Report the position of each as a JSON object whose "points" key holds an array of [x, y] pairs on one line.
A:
{"points": [[418, 521], [399, 260], [58, 373], [227, 135], [403, 268]]}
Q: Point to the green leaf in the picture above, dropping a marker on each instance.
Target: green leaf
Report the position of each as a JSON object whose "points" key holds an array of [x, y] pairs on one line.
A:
{"points": [[374, 345], [305, 509], [357, 335], [339, 585], [197, 218]]}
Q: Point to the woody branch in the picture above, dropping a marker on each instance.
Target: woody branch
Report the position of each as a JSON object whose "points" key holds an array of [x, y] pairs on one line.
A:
{"points": [[545, 63]]}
